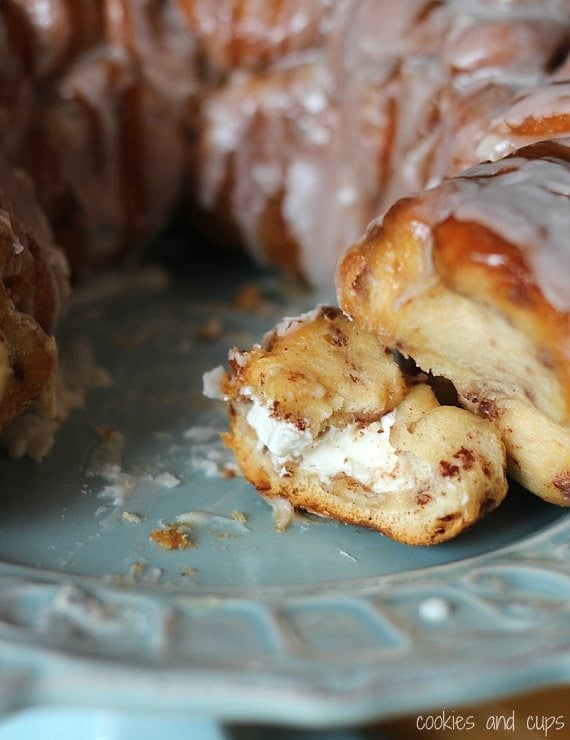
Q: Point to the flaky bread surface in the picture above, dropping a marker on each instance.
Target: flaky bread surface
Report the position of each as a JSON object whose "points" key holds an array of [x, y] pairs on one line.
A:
{"points": [[470, 280], [427, 474]]}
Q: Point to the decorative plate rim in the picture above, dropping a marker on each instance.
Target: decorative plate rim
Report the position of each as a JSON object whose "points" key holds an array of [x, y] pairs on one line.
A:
{"points": [[424, 625]]}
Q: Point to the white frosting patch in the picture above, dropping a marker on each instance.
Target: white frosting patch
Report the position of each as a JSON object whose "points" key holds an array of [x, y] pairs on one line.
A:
{"points": [[525, 202], [543, 102], [299, 21], [302, 187], [283, 512], [212, 521], [267, 176], [527, 206], [363, 453], [281, 438], [346, 195], [168, 480], [212, 383], [315, 101], [493, 147], [291, 323]]}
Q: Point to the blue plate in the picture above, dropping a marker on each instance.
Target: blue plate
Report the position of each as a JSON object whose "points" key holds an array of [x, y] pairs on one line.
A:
{"points": [[323, 624]]}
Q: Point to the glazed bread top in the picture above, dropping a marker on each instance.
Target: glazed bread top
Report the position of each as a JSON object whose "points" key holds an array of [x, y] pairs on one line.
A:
{"points": [[498, 236], [299, 154]]}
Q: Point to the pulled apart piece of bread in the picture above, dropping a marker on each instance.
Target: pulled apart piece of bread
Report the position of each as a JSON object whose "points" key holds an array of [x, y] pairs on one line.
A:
{"points": [[471, 279], [323, 416]]}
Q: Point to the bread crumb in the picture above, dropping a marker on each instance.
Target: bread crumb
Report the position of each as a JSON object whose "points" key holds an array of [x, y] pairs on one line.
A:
{"points": [[171, 538], [135, 572], [239, 516], [168, 480], [105, 432], [229, 472], [131, 517], [211, 330], [248, 298], [138, 572]]}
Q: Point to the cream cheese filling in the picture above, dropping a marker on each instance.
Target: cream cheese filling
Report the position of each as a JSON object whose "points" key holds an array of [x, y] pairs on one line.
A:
{"points": [[363, 453], [282, 439]]}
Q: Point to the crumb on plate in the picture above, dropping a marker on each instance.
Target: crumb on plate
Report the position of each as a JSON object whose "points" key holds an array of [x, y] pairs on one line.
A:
{"points": [[211, 330], [130, 516], [171, 538]]}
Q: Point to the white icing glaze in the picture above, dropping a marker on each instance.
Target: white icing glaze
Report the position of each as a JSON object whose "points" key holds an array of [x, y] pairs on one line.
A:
{"points": [[506, 132], [282, 438], [542, 102], [373, 114], [530, 208], [526, 202], [289, 324], [314, 116]]}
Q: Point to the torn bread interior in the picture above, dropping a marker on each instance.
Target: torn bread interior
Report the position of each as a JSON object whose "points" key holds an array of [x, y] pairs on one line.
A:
{"points": [[322, 416]]}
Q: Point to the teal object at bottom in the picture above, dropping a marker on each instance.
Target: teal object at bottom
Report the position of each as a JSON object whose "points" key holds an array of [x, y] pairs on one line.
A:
{"points": [[75, 724]]}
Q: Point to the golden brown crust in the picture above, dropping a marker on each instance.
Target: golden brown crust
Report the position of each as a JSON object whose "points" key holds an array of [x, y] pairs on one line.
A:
{"points": [[317, 370], [496, 274]]}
